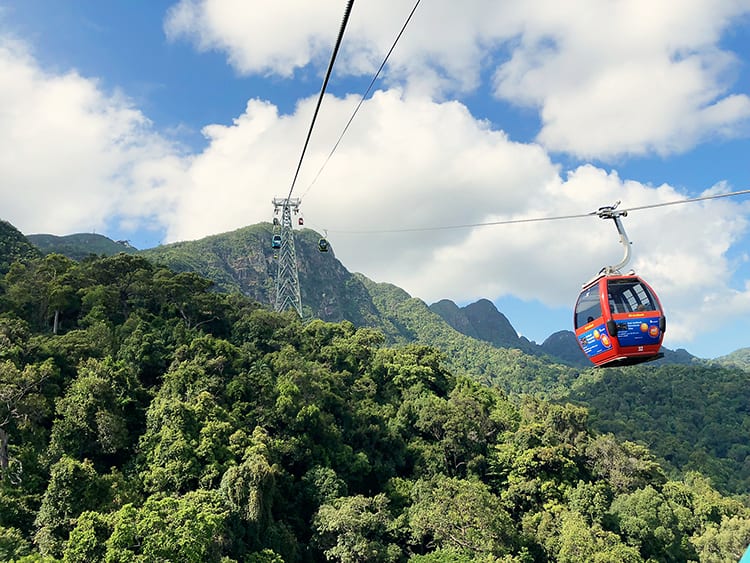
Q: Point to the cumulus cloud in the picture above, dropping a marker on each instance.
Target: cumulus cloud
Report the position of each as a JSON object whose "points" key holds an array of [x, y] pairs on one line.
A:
{"points": [[410, 169], [271, 37], [613, 78], [71, 156], [608, 78]]}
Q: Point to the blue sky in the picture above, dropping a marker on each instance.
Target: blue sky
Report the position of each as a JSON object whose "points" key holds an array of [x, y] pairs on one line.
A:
{"points": [[158, 121]]}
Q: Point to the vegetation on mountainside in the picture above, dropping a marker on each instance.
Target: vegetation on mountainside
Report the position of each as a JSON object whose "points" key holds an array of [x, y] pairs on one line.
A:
{"points": [[80, 245], [508, 368], [14, 247], [243, 261], [166, 421], [739, 359], [692, 418]]}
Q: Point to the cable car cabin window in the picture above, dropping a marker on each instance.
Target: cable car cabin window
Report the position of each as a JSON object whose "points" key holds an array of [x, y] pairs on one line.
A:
{"points": [[588, 307], [630, 295]]}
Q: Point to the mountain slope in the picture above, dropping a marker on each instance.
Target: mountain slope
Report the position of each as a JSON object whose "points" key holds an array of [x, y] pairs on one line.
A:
{"points": [[14, 246], [482, 320], [80, 246], [692, 417], [243, 261], [509, 368], [564, 346], [739, 358]]}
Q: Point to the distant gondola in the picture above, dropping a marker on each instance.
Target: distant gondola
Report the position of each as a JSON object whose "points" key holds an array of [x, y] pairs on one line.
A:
{"points": [[276, 241], [618, 319], [323, 245]]}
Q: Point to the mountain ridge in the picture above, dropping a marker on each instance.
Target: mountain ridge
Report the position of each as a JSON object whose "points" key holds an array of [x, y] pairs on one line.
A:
{"points": [[242, 260], [80, 245]]}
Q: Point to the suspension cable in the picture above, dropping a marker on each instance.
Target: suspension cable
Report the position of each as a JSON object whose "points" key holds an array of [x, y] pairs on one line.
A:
{"points": [[322, 92], [363, 98], [538, 219], [691, 200]]}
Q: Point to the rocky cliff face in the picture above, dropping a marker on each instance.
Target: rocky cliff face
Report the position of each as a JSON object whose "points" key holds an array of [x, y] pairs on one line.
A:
{"points": [[244, 261], [455, 316], [492, 326], [482, 320]]}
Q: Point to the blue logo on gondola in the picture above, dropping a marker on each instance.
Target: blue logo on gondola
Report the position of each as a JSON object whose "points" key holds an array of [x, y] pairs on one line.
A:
{"points": [[595, 341]]}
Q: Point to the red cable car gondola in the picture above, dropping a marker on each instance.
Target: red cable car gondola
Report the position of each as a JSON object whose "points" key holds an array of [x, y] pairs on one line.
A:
{"points": [[618, 318]]}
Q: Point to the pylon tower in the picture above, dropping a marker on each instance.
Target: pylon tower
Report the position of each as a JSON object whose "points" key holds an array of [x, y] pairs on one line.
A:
{"points": [[287, 276]]}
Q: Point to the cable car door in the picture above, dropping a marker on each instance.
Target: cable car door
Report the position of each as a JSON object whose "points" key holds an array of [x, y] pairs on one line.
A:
{"points": [[591, 326]]}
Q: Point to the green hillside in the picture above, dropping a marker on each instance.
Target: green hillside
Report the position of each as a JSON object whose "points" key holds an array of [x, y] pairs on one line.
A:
{"points": [[242, 262], [80, 246], [739, 358], [509, 368], [166, 421], [691, 417], [13, 246]]}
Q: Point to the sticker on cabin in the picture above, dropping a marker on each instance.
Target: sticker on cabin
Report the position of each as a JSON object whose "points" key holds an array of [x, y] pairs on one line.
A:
{"points": [[595, 340], [638, 332]]}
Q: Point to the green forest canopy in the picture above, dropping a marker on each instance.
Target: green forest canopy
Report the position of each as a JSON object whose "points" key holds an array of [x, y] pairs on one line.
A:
{"points": [[144, 417]]}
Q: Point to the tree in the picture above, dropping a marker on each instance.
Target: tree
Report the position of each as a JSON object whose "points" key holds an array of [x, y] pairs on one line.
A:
{"points": [[74, 488], [95, 414], [724, 542], [88, 539], [248, 489], [43, 290], [581, 542], [187, 294], [12, 544], [169, 461], [649, 521], [20, 404], [356, 530], [189, 529], [116, 286], [626, 466], [460, 514]]}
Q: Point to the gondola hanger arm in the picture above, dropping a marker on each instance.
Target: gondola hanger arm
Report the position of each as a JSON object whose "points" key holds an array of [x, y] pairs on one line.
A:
{"points": [[611, 212]]}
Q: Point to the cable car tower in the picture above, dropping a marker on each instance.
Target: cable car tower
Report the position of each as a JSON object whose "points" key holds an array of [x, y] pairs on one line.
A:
{"points": [[287, 276]]}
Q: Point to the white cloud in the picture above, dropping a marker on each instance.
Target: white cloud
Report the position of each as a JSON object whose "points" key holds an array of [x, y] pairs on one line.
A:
{"points": [[408, 162], [71, 156], [261, 37], [608, 77]]}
